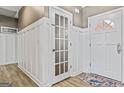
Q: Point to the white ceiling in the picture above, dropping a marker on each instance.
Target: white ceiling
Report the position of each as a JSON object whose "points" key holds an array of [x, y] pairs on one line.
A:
{"points": [[10, 11]]}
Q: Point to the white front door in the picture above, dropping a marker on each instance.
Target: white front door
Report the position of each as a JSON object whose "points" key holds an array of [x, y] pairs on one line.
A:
{"points": [[105, 31], [61, 22]]}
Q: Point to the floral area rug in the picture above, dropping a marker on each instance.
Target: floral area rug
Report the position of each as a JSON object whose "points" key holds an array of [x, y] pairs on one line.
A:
{"points": [[99, 81]]}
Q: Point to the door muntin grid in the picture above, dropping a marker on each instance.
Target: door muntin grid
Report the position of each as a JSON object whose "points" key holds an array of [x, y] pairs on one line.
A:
{"points": [[61, 44]]}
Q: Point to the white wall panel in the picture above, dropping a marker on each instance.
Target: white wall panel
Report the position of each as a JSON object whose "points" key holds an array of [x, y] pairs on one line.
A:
{"points": [[2, 49], [33, 51], [74, 50], [80, 50], [85, 51], [10, 48], [7, 48]]}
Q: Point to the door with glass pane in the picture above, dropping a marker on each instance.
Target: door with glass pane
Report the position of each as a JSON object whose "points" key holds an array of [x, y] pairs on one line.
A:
{"points": [[105, 32], [60, 44]]}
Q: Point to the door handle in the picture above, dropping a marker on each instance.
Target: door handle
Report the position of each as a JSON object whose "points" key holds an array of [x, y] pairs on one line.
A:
{"points": [[53, 24], [118, 48]]}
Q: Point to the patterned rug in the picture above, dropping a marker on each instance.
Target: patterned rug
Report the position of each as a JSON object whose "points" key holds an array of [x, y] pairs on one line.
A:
{"points": [[99, 81]]}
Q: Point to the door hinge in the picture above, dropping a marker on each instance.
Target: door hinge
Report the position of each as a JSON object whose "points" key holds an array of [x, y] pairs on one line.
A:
{"points": [[89, 25], [90, 65], [37, 41], [89, 44], [70, 66]]}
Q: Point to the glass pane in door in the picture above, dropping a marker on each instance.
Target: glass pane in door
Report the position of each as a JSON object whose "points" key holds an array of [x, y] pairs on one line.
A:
{"points": [[66, 23], [66, 55], [61, 68], [66, 44], [57, 32], [62, 44], [56, 19], [56, 57], [56, 69], [66, 67], [56, 44], [61, 20], [61, 32], [62, 56]]}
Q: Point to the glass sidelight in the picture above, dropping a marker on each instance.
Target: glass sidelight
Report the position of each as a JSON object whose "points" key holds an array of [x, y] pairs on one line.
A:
{"points": [[61, 44]]}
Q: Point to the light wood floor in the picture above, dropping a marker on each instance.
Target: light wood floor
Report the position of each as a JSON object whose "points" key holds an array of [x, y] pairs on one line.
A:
{"points": [[13, 75], [71, 82]]}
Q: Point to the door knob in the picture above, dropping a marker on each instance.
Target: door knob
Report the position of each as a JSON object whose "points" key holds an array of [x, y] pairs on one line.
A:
{"points": [[54, 50], [53, 24], [118, 48]]}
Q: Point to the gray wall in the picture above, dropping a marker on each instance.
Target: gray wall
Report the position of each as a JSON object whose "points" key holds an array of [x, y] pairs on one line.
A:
{"points": [[30, 14], [94, 10], [8, 21]]}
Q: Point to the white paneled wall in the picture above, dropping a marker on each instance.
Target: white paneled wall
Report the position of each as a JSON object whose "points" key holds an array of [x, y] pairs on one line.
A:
{"points": [[84, 46], [33, 51], [80, 50], [7, 48], [2, 49]]}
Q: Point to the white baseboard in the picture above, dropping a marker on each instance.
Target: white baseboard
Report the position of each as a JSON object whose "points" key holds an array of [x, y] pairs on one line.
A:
{"points": [[76, 73], [38, 82], [30, 76]]}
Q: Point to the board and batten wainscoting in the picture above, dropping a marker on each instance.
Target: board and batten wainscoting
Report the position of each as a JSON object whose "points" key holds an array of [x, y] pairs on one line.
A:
{"points": [[34, 52], [8, 44]]}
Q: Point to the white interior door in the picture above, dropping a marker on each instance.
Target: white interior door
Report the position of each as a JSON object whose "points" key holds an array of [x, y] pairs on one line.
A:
{"points": [[61, 22], [106, 45]]}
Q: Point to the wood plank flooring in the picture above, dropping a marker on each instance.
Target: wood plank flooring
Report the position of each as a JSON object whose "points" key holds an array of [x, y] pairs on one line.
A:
{"points": [[13, 75], [71, 82]]}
